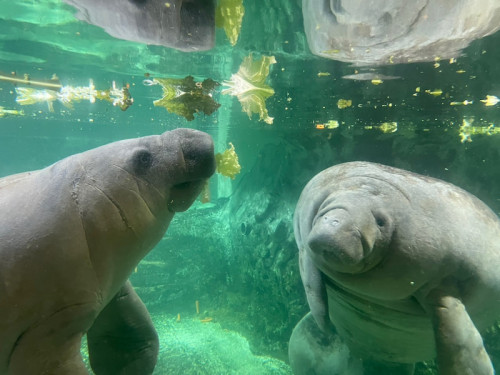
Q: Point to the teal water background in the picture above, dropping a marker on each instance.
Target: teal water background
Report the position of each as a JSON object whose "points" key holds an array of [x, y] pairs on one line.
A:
{"points": [[236, 255]]}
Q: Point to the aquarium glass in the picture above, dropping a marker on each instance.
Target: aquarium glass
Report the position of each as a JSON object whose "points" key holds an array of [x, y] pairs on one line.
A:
{"points": [[223, 286]]}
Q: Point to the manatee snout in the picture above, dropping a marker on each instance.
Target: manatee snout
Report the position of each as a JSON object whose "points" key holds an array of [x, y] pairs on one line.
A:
{"points": [[350, 239], [335, 240], [198, 152], [197, 149]]}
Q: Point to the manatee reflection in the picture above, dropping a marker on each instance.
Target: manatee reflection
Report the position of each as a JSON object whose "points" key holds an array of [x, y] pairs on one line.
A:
{"points": [[187, 25], [381, 32]]}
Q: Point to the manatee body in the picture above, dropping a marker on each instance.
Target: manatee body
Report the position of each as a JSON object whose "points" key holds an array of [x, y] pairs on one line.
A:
{"points": [[404, 266], [72, 233]]}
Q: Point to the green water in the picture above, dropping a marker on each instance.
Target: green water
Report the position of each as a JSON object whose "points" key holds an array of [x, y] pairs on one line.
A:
{"points": [[236, 255]]}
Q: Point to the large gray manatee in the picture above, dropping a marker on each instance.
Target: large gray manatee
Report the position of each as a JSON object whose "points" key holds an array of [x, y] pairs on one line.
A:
{"points": [[70, 236], [406, 267]]}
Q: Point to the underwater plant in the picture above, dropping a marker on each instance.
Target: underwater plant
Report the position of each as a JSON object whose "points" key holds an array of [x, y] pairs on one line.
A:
{"points": [[67, 95], [344, 103], [227, 163], [467, 130], [249, 86], [385, 127], [10, 112], [119, 97], [229, 16], [184, 96], [490, 100], [28, 96]]}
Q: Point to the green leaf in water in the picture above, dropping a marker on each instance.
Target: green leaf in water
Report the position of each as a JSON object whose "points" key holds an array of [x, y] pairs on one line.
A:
{"points": [[184, 96], [229, 16], [249, 86]]}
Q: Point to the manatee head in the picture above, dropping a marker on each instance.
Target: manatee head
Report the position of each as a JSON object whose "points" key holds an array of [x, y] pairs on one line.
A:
{"points": [[140, 183], [195, 164], [350, 233], [127, 193]]}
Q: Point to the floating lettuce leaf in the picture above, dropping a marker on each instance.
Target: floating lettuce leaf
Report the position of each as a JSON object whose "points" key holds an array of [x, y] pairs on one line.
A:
{"points": [[10, 112], [29, 95], [184, 96], [249, 86], [227, 162], [467, 130], [229, 16]]}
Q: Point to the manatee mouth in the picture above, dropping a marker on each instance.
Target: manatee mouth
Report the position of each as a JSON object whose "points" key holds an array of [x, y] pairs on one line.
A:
{"points": [[184, 194], [337, 243]]}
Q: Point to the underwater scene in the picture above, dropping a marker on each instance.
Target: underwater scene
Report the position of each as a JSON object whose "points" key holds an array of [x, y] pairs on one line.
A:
{"points": [[328, 172]]}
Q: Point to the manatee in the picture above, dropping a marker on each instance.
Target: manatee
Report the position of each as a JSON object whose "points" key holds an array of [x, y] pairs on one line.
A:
{"points": [[186, 25], [384, 32], [403, 267], [70, 236]]}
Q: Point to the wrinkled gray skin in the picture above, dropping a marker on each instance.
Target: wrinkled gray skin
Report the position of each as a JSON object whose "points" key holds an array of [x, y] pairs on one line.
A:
{"points": [[404, 266], [186, 25], [70, 236], [382, 32]]}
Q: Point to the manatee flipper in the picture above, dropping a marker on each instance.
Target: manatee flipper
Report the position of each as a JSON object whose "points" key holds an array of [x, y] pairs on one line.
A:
{"points": [[314, 286], [311, 351], [459, 345], [122, 339]]}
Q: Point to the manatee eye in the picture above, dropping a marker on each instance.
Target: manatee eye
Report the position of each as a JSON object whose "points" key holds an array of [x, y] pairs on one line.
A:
{"points": [[384, 223], [142, 161]]}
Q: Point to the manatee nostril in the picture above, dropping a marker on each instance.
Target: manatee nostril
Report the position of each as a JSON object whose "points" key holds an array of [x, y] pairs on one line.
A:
{"points": [[332, 222]]}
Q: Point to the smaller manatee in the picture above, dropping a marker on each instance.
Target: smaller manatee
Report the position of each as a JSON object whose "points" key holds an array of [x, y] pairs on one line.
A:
{"points": [[405, 267]]}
